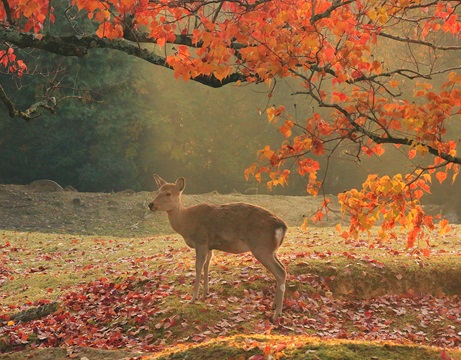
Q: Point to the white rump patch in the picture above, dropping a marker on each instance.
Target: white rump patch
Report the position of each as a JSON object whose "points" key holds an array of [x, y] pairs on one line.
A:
{"points": [[282, 288], [279, 234]]}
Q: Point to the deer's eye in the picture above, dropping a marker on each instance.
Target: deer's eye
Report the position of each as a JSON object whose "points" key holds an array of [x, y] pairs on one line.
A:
{"points": [[168, 194]]}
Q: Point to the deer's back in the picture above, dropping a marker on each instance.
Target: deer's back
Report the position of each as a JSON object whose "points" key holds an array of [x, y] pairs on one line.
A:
{"points": [[234, 227]]}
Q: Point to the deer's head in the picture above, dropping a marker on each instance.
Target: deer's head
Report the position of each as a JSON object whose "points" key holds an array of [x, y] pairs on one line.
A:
{"points": [[169, 195]]}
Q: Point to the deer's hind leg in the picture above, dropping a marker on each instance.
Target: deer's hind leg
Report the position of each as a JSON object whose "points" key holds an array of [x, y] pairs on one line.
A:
{"points": [[271, 263], [209, 255]]}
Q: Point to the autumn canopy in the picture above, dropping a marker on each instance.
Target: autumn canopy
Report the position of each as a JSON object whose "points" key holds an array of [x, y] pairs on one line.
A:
{"points": [[378, 73]]}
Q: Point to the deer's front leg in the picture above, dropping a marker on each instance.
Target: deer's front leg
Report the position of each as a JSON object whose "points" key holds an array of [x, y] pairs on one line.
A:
{"points": [[200, 258]]}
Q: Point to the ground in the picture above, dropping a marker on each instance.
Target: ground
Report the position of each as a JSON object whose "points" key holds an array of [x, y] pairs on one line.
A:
{"points": [[68, 260]]}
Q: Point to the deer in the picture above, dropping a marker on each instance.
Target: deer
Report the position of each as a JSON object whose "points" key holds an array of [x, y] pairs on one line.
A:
{"points": [[234, 228]]}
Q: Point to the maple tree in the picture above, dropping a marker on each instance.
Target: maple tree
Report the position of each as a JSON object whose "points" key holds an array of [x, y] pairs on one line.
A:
{"points": [[379, 73]]}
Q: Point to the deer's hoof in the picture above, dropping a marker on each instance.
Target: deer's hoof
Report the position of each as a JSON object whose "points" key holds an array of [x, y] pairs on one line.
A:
{"points": [[276, 317]]}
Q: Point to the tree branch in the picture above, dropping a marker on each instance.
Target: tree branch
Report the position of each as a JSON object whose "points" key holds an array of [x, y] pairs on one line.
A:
{"points": [[75, 45], [409, 142], [7, 8], [378, 139], [327, 13], [418, 42], [30, 113]]}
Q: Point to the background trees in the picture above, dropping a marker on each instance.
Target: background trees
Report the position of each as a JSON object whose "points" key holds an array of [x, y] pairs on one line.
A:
{"points": [[133, 121]]}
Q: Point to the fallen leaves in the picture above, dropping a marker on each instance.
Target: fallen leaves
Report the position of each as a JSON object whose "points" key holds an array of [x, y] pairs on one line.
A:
{"points": [[141, 301], [133, 312]]}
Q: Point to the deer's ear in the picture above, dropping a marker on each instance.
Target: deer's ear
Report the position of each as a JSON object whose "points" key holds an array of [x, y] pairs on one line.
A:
{"points": [[181, 184], [159, 181]]}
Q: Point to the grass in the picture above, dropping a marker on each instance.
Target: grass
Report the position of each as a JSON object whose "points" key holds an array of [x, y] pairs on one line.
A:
{"points": [[301, 347], [324, 273], [256, 347], [42, 265], [39, 265]]}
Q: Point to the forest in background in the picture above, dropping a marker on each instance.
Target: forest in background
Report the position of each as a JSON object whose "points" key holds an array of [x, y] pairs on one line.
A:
{"points": [[142, 121], [139, 122]]}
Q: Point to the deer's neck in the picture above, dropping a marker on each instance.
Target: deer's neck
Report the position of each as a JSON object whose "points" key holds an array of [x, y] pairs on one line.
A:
{"points": [[177, 219]]}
